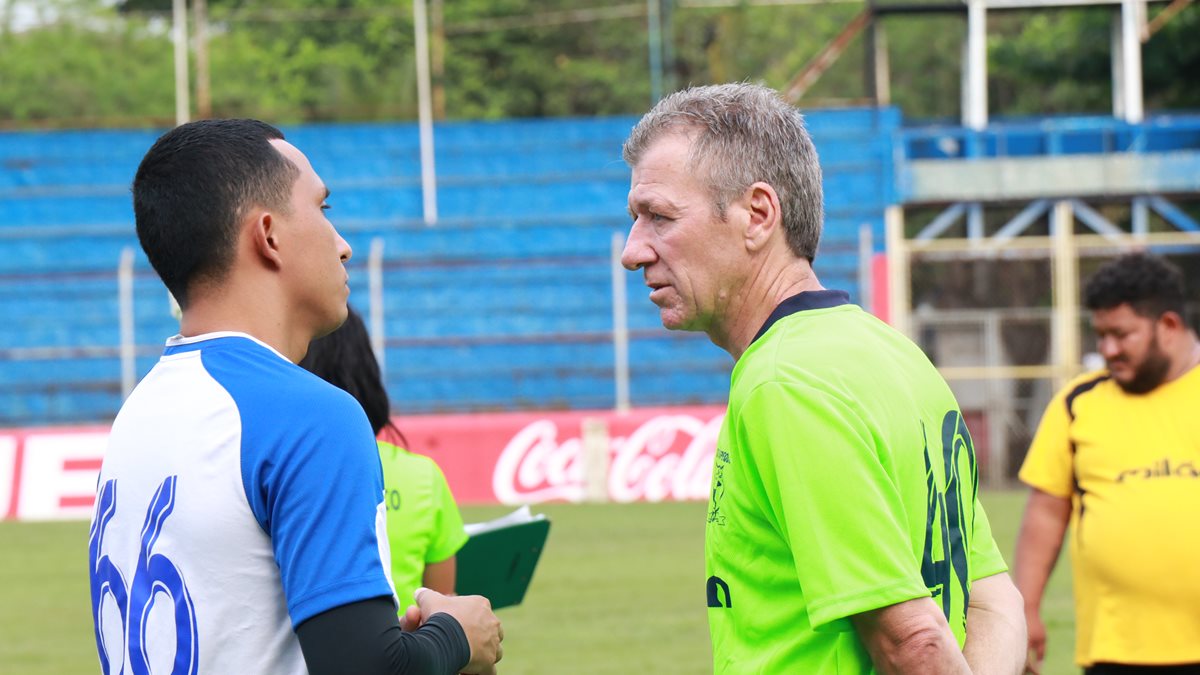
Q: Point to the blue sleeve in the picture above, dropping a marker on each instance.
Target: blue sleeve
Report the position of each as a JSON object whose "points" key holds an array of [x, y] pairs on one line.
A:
{"points": [[311, 472]]}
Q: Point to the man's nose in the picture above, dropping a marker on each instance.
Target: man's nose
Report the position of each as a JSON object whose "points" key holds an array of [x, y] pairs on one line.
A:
{"points": [[637, 253], [1108, 347]]}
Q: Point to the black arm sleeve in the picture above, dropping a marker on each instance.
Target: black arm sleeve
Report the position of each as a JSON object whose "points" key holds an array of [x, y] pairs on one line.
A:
{"points": [[365, 637]]}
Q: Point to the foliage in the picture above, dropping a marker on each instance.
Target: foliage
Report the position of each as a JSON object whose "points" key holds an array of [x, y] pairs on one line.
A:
{"points": [[769, 44], [293, 71], [73, 72], [98, 63], [1060, 62], [576, 68], [925, 55]]}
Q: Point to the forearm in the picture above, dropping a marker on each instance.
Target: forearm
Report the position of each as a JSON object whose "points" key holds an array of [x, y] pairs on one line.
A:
{"points": [[1038, 544], [910, 638], [996, 638], [438, 646], [935, 656], [440, 576], [365, 637]]}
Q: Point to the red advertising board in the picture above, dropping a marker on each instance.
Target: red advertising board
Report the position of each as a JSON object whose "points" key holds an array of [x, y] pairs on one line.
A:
{"points": [[647, 454], [50, 473]]}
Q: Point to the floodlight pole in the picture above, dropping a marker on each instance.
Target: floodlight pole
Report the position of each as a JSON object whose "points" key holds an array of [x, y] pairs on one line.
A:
{"points": [[620, 324], [425, 112], [125, 308], [375, 303], [179, 35], [203, 80], [1127, 63], [654, 43], [975, 103]]}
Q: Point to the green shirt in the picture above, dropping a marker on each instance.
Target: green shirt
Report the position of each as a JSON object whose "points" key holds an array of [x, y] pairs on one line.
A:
{"points": [[423, 522], [844, 481]]}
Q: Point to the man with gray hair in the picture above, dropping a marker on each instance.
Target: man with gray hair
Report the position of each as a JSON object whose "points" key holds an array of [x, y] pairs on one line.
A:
{"points": [[844, 531]]}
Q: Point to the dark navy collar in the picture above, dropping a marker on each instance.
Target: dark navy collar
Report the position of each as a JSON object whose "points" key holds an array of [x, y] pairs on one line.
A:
{"points": [[801, 302]]}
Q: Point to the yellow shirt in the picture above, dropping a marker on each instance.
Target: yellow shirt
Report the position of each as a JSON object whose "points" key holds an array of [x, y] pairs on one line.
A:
{"points": [[1131, 466]]}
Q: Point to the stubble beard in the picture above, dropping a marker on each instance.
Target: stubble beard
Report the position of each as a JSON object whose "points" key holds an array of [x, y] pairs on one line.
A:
{"points": [[1151, 373]]}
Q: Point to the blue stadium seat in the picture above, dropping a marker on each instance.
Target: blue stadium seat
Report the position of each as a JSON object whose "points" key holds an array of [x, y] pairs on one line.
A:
{"points": [[504, 303]]}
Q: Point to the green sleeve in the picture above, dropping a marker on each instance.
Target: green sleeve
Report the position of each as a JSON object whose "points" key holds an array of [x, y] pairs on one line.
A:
{"points": [[833, 501], [985, 555], [448, 532]]}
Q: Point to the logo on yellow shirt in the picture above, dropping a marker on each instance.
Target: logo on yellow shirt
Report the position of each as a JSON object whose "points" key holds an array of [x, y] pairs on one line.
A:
{"points": [[1160, 469]]}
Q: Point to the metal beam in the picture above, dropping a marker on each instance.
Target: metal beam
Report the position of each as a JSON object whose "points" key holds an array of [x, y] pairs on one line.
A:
{"points": [[940, 181], [1139, 216], [1038, 246], [654, 40], [829, 54], [1037, 4], [975, 221], [899, 288], [1173, 214], [944, 221], [425, 113], [1064, 268], [975, 102], [1131, 64], [1090, 217], [179, 33], [1022, 220], [1163, 17], [960, 7]]}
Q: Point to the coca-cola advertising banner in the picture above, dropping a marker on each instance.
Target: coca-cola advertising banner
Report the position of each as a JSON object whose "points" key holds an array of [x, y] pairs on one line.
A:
{"points": [[647, 454]]}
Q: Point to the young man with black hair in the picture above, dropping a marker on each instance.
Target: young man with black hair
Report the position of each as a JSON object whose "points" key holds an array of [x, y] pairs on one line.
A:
{"points": [[1117, 456], [239, 522]]}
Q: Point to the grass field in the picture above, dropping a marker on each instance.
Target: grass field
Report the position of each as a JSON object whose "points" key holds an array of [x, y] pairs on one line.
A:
{"points": [[619, 590]]}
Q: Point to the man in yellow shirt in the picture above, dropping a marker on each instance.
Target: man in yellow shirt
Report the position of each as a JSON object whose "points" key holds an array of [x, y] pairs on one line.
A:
{"points": [[1117, 455]]}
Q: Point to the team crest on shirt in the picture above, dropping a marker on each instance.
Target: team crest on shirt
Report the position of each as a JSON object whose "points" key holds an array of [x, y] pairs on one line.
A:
{"points": [[718, 488]]}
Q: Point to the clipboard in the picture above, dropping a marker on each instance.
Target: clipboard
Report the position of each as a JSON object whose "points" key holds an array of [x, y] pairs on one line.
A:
{"points": [[500, 556]]}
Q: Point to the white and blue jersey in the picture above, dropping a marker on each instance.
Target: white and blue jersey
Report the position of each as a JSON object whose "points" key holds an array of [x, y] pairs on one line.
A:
{"points": [[240, 495]]}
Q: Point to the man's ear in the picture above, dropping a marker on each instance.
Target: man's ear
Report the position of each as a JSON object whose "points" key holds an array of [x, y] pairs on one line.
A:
{"points": [[762, 206], [1172, 321], [264, 238]]}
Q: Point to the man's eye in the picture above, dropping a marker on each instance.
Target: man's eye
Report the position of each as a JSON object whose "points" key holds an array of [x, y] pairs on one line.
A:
{"points": [[326, 207]]}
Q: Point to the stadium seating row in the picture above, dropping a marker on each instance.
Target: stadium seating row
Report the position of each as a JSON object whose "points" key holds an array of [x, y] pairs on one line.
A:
{"points": [[504, 303], [390, 168], [1052, 136], [546, 196]]}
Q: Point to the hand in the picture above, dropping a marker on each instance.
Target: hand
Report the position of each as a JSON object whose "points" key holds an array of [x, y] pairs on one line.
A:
{"points": [[1037, 642], [412, 619], [474, 614]]}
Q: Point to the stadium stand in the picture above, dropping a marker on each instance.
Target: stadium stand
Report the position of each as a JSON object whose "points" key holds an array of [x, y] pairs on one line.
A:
{"points": [[504, 303]]}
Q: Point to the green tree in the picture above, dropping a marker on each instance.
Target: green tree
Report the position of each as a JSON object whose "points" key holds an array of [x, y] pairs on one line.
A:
{"points": [[83, 65], [1060, 62], [93, 63], [564, 66], [269, 60]]}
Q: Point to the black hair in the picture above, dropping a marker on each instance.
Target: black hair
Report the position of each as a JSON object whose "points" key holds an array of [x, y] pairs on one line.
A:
{"points": [[1148, 283], [194, 184], [344, 359]]}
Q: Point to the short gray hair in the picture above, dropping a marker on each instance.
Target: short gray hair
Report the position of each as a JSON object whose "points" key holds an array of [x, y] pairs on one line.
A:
{"points": [[746, 133]]}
